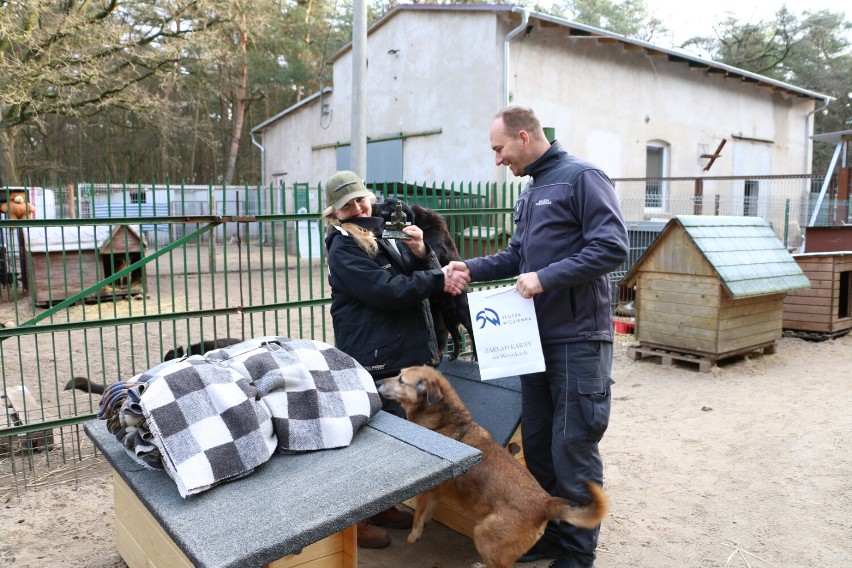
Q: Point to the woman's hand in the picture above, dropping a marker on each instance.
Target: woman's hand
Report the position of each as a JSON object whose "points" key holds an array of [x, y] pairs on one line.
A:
{"points": [[416, 244], [456, 277]]}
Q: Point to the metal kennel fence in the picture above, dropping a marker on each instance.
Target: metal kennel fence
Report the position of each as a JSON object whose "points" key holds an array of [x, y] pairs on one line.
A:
{"points": [[108, 278]]}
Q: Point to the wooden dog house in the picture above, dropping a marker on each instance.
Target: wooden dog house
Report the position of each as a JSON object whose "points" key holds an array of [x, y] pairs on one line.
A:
{"points": [[709, 288], [64, 261], [296, 510], [826, 307]]}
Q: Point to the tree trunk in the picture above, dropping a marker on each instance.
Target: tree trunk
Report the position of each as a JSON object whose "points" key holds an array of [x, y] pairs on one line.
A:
{"points": [[193, 152], [81, 170], [239, 110], [8, 167]]}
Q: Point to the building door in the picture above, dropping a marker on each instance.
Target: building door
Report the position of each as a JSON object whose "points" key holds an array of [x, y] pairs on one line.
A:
{"points": [[656, 168]]}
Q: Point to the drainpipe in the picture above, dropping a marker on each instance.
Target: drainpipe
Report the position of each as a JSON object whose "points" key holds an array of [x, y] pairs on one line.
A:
{"points": [[525, 16], [827, 100], [264, 194], [358, 129], [262, 158]]}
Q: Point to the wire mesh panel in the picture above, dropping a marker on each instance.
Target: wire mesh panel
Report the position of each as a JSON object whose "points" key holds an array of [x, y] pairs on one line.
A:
{"points": [[59, 455]]}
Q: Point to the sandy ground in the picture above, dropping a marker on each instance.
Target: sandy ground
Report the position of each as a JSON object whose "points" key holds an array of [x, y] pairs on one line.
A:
{"points": [[747, 466]]}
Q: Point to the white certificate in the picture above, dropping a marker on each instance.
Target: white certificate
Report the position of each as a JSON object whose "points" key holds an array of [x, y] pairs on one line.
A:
{"points": [[505, 329]]}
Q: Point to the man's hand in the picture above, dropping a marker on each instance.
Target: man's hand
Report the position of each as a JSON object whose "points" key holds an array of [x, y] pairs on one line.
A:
{"points": [[456, 277], [528, 285]]}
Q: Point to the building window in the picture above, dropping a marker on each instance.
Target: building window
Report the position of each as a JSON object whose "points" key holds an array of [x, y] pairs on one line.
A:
{"points": [[384, 160], [656, 164], [750, 197]]}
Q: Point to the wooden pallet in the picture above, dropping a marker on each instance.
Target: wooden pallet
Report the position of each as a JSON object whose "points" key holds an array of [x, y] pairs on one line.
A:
{"points": [[815, 335], [705, 361]]}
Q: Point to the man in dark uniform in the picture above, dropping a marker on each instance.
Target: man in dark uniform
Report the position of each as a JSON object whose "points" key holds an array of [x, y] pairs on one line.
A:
{"points": [[569, 235]]}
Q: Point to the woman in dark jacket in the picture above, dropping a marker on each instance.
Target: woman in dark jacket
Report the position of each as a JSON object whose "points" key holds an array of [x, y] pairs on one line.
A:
{"points": [[379, 287], [379, 302]]}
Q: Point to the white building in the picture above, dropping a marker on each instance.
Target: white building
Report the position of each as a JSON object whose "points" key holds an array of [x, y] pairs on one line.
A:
{"points": [[437, 74]]}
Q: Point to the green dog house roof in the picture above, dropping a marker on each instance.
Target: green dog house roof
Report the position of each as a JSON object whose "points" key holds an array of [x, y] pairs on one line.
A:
{"points": [[744, 252]]}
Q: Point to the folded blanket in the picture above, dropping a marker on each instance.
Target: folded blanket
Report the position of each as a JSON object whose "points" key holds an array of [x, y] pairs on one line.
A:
{"points": [[207, 423], [214, 418], [317, 395], [120, 407]]}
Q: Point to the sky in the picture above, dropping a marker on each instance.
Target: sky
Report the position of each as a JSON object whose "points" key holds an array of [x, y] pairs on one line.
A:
{"points": [[690, 18]]}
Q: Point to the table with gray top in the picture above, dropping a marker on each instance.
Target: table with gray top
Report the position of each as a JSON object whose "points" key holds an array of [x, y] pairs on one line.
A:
{"points": [[292, 500]]}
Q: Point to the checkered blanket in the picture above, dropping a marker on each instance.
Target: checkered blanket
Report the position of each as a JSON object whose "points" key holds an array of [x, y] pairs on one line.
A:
{"points": [[317, 395], [121, 409], [216, 417]]}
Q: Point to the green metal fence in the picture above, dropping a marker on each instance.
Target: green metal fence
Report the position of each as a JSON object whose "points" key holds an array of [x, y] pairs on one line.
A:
{"points": [[120, 275], [109, 278]]}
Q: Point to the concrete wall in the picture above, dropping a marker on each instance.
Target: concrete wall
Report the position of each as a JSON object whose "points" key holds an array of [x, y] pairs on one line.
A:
{"points": [[442, 77], [434, 70], [607, 103], [288, 143]]}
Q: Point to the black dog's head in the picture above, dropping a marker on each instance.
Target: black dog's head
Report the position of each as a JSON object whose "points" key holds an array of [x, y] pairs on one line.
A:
{"points": [[174, 354], [387, 208]]}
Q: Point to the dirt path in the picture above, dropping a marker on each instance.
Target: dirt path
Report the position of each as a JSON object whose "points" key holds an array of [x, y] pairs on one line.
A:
{"points": [[749, 465]]}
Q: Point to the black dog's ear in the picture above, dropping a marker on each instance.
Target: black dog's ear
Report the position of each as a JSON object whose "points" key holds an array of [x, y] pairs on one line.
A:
{"points": [[422, 217]]}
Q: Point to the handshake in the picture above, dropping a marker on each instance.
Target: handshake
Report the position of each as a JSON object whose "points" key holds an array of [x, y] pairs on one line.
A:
{"points": [[456, 277]]}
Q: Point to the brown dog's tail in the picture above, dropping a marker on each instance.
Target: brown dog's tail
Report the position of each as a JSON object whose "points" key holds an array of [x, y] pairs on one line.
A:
{"points": [[588, 516]]}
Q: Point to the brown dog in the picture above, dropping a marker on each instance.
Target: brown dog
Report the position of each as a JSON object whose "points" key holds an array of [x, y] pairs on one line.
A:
{"points": [[510, 506]]}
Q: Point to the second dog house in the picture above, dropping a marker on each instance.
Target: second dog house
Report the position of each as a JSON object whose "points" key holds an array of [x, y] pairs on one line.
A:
{"points": [[825, 308], [64, 261], [713, 287]]}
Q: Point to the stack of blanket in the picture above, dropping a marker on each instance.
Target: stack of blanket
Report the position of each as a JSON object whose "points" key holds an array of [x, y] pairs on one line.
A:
{"points": [[214, 418]]}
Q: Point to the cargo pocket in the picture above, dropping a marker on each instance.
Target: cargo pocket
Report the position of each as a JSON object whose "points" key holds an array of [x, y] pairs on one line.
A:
{"points": [[595, 401]]}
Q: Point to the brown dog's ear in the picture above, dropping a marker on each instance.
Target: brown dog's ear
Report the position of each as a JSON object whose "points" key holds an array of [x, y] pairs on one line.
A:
{"points": [[433, 392], [420, 387]]}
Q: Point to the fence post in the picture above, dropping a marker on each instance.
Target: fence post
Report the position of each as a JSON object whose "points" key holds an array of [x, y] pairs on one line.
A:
{"points": [[698, 203], [841, 210], [211, 239], [786, 222]]}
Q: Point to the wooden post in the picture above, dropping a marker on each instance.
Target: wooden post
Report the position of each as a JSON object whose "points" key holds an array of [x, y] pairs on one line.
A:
{"points": [[841, 212], [72, 209], [698, 203]]}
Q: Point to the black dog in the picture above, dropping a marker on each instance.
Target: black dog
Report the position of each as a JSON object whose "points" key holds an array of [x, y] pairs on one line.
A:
{"points": [[448, 311], [200, 348], [85, 385]]}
